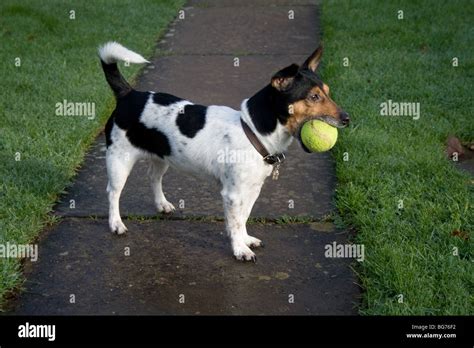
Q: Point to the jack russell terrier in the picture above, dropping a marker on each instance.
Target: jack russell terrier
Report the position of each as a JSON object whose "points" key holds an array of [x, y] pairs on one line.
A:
{"points": [[167, 130]]}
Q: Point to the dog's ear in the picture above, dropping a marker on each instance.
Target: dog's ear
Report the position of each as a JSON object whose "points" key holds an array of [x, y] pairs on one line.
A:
{"points": [[283, 79], [313, 60]]}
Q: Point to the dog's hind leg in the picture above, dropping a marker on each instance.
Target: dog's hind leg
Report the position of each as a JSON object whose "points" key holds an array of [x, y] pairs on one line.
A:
{"points": [[119, 166], [157, 169]]}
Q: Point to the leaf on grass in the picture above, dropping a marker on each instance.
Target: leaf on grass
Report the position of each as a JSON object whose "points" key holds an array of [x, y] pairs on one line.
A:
{"points": [[460, 234], [454, 145]]}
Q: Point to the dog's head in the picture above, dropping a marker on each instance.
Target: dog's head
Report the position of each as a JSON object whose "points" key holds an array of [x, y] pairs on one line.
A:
{"points": [[306, 97]]}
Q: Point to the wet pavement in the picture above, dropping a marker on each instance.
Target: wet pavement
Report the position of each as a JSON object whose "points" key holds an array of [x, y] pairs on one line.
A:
{"points": [[183, 265]]}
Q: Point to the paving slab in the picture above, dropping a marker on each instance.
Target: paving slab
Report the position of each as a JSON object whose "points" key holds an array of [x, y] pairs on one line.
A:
{"points": [[169, 259], [215, 80], [224, 30]]}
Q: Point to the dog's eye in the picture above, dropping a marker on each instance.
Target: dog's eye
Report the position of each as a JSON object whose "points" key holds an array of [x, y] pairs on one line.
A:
{"points": [[314, 97]]}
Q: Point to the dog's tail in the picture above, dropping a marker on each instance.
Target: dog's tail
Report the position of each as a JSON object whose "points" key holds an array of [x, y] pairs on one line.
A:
{"points": [[110, 53]]}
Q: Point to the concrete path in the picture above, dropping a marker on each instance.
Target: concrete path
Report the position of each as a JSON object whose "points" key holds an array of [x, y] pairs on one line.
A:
{"points": [[147, 271], [182, 265]]}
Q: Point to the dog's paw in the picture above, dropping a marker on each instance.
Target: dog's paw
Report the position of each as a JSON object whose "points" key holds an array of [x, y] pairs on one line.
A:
{"points": [[243, 253], [165, 207], [253, 242], [117, 227]]}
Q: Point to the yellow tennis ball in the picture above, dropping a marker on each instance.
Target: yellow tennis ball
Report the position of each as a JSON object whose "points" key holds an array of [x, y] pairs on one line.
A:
{"points": [[318, 136]]}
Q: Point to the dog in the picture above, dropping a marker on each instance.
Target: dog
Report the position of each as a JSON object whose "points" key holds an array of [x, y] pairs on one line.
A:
{"points": [[169, 131]]}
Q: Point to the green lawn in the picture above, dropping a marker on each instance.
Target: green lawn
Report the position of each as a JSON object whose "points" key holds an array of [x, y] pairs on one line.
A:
{"points": [[39, 150], [409, 251]]}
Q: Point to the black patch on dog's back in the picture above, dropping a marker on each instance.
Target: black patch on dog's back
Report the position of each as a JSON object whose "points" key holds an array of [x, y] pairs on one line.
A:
{"points": [[149, 139], [192, 120], [128, 110], [165, 99], [127, 116]]}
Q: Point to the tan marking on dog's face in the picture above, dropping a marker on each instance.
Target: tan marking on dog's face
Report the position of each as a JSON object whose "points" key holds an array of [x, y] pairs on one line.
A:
{"points": [[317, 103]]}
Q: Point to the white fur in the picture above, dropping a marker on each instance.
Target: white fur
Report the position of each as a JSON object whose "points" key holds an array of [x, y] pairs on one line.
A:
{"points": [[112, 52], [201, 155]]}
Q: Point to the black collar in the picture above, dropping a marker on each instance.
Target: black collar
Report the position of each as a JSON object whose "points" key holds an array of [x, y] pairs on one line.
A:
{"points": [[270, 159]]}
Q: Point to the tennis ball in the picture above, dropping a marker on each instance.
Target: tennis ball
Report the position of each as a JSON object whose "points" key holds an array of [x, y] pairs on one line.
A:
{"points": [[318, 136]]}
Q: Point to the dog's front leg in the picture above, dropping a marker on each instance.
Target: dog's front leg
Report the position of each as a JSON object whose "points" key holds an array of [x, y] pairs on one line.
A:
{"points": [[238, 202]]}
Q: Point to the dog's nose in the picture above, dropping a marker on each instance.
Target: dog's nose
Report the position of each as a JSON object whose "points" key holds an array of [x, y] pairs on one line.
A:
{"points": [[344, 117]]}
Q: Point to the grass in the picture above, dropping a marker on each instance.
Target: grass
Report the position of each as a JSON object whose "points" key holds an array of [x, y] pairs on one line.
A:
{"points": [[39, 150], [409, 251]]}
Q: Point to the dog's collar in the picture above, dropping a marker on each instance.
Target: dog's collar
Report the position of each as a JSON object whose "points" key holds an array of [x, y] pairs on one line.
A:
{"points": [[257, 144]]}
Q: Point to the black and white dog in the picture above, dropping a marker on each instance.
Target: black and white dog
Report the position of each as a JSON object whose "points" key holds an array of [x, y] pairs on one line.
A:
{"points": [[167, 130]]}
